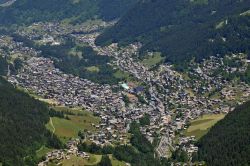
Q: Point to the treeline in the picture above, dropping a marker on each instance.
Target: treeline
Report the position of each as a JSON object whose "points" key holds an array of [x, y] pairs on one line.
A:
{"points": [[227, 143], [13, 67], [29, 11], [3, 66], [182, 30], [3, 1], [22, 121]]}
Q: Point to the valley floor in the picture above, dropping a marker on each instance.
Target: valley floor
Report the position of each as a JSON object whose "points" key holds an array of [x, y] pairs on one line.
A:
{"points": [[201, 95]]}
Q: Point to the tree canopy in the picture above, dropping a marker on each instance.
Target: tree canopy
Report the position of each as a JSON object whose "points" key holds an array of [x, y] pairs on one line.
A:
{"points": [[22, 121], [227, 143], [182, 30]]}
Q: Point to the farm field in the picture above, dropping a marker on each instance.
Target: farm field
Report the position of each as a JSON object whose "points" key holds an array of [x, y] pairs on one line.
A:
{"points": [[201, 126]]}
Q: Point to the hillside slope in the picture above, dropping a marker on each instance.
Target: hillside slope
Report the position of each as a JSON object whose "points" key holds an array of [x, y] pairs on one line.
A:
{"points": [[183, 29], [29, 11], [228, 142], [22, 131]]}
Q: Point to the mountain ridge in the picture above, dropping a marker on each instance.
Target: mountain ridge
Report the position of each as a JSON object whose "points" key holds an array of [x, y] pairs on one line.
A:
{"points": [[227, 143], [29, 11], [164, 26]]}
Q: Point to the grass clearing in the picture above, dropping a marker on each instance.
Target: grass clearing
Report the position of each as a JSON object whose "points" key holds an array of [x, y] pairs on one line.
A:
{"points": [[74, 160], [78, 161], [121, 75], [246, 13], [74, 52], [116, 162], [190, 92], [43, 151], [7, 3], [201, 126], [33, 94], [216, 95], [93, 69], [185, 76], [66, 129], [153, 60], [92, 161], [220, 24]]}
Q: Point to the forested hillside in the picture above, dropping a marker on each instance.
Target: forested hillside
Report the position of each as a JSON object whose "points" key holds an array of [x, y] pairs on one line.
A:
{"points": [[75, 11], [3, 66], [227, 143], [73, 64], [22, 131], [3, 1], [183, 29]]}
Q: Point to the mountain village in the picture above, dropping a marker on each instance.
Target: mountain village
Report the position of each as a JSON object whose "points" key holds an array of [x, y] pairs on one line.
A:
{"points": [[171, 98]]}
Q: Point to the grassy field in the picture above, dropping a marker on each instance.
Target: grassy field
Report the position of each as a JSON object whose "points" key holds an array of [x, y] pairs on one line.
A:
{"points": [[190, 92], [153, 60], [116, 162], [121, 75], [201, 126], [78, 161], [74, 52], [73, 161], [5, 3], [246, 13], [43, 151], [66, 129], [93, 69], [33, 94], [93, 161]]}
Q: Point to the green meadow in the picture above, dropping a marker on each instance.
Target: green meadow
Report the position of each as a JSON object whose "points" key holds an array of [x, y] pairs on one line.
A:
{"points": [[68, 128], [201, 126]]}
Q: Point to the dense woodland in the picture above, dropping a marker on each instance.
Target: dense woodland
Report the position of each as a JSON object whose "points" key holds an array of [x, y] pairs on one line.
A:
{"points": [[22, 121], [3, 66], [182, 30], [29, 11], [228, 142], [3, 1]]}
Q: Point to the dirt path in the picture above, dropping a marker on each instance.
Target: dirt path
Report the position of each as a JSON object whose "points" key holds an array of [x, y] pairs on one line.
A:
{"points": [[53, 127]]}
